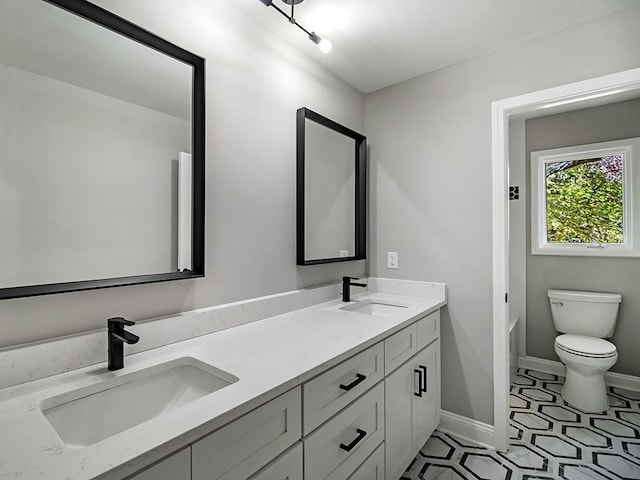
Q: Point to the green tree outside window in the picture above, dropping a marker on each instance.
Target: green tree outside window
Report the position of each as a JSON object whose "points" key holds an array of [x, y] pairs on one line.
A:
{"points": [[585, 201]]}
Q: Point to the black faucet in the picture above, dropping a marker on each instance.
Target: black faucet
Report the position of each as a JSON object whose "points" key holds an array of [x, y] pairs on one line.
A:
{"points": [[346, 287], [117, 337]]}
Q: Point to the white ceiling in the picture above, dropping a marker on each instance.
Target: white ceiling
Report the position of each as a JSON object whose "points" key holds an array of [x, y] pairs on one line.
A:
{"points": [[377, 43]]}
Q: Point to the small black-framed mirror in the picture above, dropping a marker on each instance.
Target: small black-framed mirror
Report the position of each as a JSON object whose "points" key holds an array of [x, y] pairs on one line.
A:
{"points": [[331, 181], [102, 168]]}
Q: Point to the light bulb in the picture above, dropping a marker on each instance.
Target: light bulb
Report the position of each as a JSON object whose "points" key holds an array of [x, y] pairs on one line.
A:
{"points": [[325, 45]]}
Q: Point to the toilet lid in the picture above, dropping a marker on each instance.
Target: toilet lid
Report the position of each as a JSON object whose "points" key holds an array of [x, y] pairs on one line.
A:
{"points": [[586, 346]]}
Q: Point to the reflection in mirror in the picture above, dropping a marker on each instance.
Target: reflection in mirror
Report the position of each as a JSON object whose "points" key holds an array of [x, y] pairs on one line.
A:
{"points": [[96, 129], [331, 191]]}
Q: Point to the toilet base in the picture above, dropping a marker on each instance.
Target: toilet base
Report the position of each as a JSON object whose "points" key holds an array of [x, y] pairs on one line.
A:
{"points": [[586, 392]]}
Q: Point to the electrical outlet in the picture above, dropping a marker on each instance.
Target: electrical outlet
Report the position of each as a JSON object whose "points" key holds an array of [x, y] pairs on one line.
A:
{"points": [[392, 259], [344, 253]]}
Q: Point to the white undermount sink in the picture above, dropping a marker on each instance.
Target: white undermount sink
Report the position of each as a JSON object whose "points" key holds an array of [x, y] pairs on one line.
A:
{"points": [[88, 415], [374, 307]]}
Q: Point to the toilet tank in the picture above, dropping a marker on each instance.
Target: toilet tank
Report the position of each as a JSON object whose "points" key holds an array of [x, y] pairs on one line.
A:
{"points": [[591, 314]]}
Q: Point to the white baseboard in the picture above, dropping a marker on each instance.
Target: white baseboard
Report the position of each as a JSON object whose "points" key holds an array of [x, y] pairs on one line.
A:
{"points": [[612, 379], [542, 365], [467, 429]]}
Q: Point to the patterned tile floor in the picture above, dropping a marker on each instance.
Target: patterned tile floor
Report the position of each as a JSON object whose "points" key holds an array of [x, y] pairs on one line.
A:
{"points": [[549, 440]]}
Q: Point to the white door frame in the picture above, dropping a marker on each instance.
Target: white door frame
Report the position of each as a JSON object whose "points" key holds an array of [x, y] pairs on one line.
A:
{"points": [[549, 99]]}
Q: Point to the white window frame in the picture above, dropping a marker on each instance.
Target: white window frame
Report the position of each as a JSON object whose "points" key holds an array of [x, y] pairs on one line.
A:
{"points": [[629, 149]]}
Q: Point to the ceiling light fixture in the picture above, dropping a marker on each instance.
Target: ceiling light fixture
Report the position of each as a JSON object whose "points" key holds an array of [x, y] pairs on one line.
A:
{"points": [[323, 44]]}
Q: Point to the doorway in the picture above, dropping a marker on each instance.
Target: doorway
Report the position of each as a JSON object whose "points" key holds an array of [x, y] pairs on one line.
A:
{"points": [[587, 93]]}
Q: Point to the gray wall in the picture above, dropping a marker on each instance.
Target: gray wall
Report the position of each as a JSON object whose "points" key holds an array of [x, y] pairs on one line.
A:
{"points": [[621, 275], [430, 154], [255, 84]]}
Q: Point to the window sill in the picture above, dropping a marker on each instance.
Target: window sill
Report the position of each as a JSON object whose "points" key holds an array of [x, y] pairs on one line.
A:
{"points": [[586, 250]]}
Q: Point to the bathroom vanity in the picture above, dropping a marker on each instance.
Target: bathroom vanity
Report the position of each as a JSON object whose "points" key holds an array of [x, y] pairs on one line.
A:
{"points": [[333, 391]]}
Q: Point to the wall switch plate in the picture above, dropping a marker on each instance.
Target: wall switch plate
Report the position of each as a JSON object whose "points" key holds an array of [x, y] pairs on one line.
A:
{"points": [[392, 259]]}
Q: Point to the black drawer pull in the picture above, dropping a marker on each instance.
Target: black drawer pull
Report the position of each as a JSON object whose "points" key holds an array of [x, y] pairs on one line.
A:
{"points": [[420, 387], [424, 378], [359, 379], [348, 448]]}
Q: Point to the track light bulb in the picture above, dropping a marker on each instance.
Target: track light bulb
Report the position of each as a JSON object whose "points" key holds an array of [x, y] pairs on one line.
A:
{"points": [[323, 44]]}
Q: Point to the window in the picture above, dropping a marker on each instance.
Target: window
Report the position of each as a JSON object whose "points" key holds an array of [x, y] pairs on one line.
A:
{"points": [[582, 202]]}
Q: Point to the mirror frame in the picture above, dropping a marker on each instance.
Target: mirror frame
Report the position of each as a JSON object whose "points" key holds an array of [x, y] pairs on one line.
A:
{"points": [[106, 19], [360, 159]]}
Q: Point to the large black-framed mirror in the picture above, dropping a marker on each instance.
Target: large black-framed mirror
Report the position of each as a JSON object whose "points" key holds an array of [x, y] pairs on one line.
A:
{"points": [[102, 166], [331, 194]]}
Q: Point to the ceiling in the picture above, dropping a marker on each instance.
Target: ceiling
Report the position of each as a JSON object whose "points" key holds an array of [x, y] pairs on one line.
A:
{"points": [[377, 43]]}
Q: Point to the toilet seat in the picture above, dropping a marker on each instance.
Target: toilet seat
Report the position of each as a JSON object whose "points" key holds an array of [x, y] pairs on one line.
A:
{"points": [[586, 346]]}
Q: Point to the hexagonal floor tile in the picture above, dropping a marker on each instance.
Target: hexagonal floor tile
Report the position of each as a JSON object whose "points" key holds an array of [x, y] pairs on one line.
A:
{"points": [[485, 467], [628, 394], [444, 472], [618, 402], [557, 446], [586, 436], [631, 417], [537, 394], [559, 413], [617, 465], [614, 427], [522, 380], [515, 433], [525, 458], [541, 375], [531, 421], [553, 387], [632, 448], [437, 447], [581, 472], [518, 402]]}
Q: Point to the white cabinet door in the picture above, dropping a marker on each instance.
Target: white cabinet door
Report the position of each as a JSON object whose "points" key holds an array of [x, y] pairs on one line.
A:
{"points": [[372, 468], [175, 467], [287, 466], [242, 447], [428, 406], [400, 419]]}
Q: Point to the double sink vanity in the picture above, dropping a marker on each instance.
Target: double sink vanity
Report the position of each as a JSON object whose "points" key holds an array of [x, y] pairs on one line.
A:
{"points": [[299, 385], [337, 390]]}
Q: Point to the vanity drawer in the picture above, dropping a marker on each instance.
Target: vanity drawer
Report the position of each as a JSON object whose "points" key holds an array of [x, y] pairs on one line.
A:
{"points": [[334, 389], [372, 468], [174, 467], [334, 451], [239, 449], [399, 347], [428, 329], [287, 466]]}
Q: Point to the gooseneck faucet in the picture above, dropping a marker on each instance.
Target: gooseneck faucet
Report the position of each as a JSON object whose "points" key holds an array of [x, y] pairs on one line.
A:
{"points": [[117, 337], [346, 287]]}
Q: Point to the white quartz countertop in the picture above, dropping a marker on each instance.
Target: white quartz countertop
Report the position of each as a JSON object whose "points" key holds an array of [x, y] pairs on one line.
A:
{"points": [[269, 357]]}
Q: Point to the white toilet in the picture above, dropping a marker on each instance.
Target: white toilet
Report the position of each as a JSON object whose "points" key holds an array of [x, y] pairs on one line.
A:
{"points": [[585, 319]]}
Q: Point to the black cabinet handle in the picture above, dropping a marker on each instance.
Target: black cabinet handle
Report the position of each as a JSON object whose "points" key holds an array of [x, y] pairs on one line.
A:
{"points": [[359, 379], [424, 377], [420, 387], [348, 448]]}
